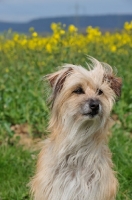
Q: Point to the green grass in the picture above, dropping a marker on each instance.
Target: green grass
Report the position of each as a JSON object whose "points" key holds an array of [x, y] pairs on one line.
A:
{"points": [[121, 145], [16, 169]]}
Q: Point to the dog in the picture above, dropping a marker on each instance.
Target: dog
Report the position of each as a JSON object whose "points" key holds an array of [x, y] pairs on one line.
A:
{"points": [[75, 162]]}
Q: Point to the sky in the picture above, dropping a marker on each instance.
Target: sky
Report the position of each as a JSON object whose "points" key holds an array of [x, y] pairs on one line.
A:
{"points": [[26, 10]]}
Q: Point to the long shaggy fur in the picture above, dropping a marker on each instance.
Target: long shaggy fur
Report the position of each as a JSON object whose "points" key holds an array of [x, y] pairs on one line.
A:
{"points": [[75, 162]]}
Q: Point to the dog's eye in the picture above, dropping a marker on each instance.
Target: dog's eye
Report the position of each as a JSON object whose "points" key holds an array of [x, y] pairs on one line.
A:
{"points": [[99, 92], [78, 91]]}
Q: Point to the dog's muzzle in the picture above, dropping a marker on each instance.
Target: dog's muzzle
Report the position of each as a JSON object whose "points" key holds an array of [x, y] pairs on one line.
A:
{"points": [[91, 107]]}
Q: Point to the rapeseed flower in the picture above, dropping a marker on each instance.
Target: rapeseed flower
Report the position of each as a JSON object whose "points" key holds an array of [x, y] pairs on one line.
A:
{"points": [[128, 26], [34, 34], [62, 39], [72, 29]]}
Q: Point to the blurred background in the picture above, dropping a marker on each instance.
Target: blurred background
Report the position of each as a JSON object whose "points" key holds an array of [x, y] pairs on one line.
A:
{"points": [[21, 15]]}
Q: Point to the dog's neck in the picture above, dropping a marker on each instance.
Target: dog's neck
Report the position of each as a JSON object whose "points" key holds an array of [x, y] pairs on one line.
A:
{"points": [[80, 139]]}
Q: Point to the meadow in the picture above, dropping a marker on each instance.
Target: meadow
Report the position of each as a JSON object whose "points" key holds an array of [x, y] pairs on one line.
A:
{"points": [[24, 60]]}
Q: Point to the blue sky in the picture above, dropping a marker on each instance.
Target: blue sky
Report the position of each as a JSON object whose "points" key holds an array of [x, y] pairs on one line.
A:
{"points": [[25, 10]]}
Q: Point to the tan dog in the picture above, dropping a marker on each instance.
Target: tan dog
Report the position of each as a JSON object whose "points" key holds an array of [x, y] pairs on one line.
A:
{"points": [[75, 162]]}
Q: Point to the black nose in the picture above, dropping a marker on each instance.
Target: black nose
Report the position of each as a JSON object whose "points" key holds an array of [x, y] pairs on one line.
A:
{"points": [[94, 105]]}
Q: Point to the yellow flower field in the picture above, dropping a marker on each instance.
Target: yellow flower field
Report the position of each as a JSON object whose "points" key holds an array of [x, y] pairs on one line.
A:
{"points": [[25, 58], [60, 37]]}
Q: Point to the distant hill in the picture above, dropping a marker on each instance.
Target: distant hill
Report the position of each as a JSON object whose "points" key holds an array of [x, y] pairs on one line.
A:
{"points": [[105, 22]]}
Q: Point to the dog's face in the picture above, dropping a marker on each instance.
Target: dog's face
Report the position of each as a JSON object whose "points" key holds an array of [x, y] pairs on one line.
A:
{"points": [[84, 95]]}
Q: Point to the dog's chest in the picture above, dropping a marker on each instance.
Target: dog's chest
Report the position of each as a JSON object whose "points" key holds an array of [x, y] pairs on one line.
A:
{"points": [[82, 178]]}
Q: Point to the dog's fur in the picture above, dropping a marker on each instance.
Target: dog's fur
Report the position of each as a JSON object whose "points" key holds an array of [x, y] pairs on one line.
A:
{"points": [[75, 162]]}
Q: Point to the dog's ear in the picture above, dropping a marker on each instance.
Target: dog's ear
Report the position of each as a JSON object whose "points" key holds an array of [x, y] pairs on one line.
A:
{"points": [[115, 83], [57, 80]]}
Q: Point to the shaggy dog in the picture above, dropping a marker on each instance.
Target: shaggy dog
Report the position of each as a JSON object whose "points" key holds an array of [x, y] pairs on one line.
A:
{"points": [[75, 162]]}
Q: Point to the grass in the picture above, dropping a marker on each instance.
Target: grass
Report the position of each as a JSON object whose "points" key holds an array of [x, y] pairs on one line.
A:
{"points": [[23, 100], [16, 168], [120, 145]]}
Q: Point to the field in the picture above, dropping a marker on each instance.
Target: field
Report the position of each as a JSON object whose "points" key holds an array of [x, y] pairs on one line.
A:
{"points": [[24, 60]]}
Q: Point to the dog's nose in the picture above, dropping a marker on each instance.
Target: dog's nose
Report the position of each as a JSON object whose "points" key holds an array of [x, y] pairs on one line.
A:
{"points": [[94, 104], [91, 107]]}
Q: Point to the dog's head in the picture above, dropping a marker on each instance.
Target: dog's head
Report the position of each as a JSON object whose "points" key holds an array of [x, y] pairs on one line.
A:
{"points": [[81, 94]]}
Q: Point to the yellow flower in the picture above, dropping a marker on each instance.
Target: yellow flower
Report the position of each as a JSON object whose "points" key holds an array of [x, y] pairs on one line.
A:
{"points": [[62, 32], [128, 26], [113, 48], [56, 36], [72, 29], [93, 31], [23, 42], [16, 37], [34, 34], [54, 26], [48, 48]]}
